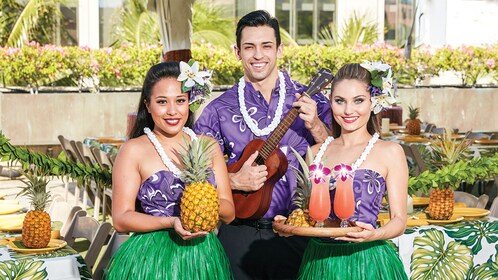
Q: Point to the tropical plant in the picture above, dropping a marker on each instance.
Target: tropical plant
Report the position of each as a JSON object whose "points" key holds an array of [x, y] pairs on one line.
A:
{"points": [[211, 26], [468, 171], [356, 30], [135, 25], [35, 21], [447, 150]]}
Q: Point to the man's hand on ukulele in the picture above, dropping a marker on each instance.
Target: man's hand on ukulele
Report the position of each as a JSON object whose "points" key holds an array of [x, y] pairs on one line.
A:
{"points": [[250, 177], [307, 111]]}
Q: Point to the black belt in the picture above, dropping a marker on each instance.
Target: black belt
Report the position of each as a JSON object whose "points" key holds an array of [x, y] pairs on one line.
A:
{"points": [[258, 224]]}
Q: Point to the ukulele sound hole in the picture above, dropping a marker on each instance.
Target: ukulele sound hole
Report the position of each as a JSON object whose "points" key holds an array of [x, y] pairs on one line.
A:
{"points": [[259, 160]]}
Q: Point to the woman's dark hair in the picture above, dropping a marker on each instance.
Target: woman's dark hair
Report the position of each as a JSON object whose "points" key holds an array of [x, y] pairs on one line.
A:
{"points": [[170, 69], [257, 18], [353, 71]]}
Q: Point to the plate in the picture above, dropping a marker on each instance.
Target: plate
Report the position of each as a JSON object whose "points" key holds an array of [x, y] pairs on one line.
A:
{"points": [[420, 201], [16, 245], [454, 219], [279, 226], [413, 139], [470, 212], [486, 141], [9, 201], [12, 222], [9, 208]]}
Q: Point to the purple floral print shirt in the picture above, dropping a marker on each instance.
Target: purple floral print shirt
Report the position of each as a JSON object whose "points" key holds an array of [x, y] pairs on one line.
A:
{"points": [[222, 120]]}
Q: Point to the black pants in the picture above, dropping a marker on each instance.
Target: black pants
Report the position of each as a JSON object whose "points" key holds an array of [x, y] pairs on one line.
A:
{"points": [[260, 253]]}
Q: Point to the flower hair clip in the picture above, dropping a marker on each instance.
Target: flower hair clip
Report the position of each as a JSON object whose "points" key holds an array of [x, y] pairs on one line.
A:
{"points": [[196, 82], [343, 171], [318, 173], [382, 90]]}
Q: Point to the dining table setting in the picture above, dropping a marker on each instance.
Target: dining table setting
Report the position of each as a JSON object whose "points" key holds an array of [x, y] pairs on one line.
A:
{"points": [[465, 246], [55, 261]]}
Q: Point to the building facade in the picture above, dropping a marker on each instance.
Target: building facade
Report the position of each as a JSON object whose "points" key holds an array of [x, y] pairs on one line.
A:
{"points": [[435, 23]]}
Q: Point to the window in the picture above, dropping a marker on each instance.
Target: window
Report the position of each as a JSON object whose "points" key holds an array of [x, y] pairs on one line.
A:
{"points": [[399, 16], [304, 19]]}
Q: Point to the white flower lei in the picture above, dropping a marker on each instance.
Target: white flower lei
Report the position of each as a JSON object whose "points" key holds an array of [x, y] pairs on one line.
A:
{"points": [[159, 148], [252, 123], [358, 161]]}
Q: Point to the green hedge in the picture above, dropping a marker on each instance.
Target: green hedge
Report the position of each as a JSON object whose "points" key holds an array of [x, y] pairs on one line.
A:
{"points": [[34, 65]]}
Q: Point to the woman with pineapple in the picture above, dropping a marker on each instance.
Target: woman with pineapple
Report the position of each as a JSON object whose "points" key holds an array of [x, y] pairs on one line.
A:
{"points": [[359, 93], [170, 186]]}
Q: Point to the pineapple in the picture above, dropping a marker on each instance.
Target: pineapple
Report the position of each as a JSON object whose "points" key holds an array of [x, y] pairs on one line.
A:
{"points": [[441, 203], [413, 123], [199, 206], [300, 217], [36, 228], [446, 151]]}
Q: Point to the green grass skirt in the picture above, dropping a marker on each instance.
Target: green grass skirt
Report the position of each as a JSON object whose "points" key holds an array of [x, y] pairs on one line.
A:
{"points": [[164, 255], [367, 260]]}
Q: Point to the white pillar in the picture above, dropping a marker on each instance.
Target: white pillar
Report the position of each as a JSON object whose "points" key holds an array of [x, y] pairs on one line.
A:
{"points": [[88, 23], [269, 6]]}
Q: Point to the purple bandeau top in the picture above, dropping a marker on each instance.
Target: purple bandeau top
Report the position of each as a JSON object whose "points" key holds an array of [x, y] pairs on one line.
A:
{"points": [[368, 188], [160, 194]]}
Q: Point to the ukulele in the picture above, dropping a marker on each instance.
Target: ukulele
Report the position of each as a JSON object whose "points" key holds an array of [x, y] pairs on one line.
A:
{"points": [[253, 205]]}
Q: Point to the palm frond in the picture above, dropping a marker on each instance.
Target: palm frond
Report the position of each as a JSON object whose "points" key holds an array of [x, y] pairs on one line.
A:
{"points": [[210, 36], [26, 21], [357, 29]]}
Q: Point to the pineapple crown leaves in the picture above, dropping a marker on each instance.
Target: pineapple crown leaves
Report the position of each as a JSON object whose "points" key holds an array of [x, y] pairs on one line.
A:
{"points": [[413, 112], [303, 192], [36, 190], [446, 150], [196, 160]]}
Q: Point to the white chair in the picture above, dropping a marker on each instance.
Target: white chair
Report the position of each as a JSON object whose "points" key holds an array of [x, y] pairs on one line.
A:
{"points": [[60, 210], [482, 201], [493, 210], [114, 242], [469, 199], [90, 229]]}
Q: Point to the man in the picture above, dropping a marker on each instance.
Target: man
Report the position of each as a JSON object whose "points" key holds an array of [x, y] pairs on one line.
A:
{"points": [[252, 109]]}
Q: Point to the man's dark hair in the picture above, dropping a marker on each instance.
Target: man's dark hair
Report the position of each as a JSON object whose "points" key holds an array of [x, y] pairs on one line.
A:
{"points": [[257, 18]]}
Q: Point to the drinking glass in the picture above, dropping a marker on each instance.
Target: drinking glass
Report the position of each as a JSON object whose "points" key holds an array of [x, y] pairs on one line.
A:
{"points": [[344, 200], [320, 201]]}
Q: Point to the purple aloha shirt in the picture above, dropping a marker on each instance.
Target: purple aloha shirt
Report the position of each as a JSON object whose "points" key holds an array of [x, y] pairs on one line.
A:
{"points": [[222, 120], [369, 188], [160, 194]]}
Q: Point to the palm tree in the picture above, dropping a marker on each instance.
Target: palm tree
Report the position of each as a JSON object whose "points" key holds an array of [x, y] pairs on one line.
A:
{"points": [[209, 25], [35, 21], [357, 29], [136, 25]]}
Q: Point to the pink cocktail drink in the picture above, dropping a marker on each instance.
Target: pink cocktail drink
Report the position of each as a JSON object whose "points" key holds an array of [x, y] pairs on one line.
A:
{"points": [[344, 199], [320, 202]]}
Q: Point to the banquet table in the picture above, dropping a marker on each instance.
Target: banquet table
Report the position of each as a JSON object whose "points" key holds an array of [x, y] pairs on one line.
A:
{"points": [[464, 250], [64, 263]]}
